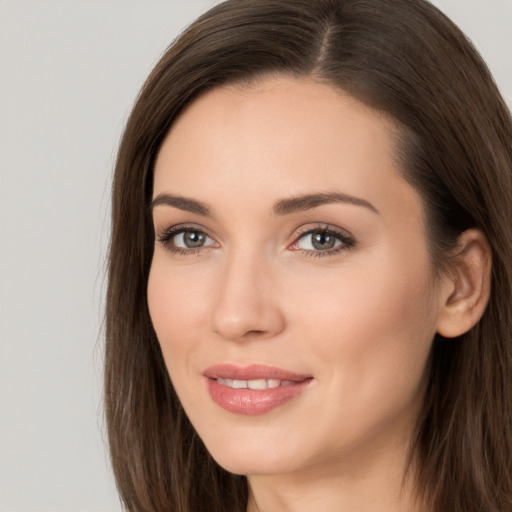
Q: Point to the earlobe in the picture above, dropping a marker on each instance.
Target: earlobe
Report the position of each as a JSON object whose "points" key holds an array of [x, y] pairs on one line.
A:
{"points": [[467, 288]]}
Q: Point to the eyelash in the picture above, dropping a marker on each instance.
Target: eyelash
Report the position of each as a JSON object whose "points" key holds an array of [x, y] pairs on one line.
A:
{"points": [[347, 240], [167, 237]]}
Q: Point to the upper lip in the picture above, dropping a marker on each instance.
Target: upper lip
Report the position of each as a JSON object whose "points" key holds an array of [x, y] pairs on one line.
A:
{"points": [[252, 372]]}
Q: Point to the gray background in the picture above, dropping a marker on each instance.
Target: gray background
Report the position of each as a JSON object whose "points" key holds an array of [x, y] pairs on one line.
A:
{"points": [[69, 72]]}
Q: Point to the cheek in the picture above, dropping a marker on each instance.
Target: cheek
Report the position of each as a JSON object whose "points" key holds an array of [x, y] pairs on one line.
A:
{"points": [[381, 305], [177, 308], [373, 329]]}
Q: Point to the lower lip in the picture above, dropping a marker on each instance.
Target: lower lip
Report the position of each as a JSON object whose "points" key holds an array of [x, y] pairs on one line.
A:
{"points": [[254, 401]]}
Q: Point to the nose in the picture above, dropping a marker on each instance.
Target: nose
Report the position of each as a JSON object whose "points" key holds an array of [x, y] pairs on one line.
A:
{"points": [[247, 300]]}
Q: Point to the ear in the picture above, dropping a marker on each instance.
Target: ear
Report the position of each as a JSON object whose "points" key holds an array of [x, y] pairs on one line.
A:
{"points": [[466, 288]]}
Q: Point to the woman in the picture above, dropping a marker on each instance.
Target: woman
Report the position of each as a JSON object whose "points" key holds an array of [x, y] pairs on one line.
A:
{"points": [[309, 303]]}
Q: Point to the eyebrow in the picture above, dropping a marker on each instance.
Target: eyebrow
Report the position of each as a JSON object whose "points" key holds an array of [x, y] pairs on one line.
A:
{"points": [[309, 201], [182, 203], [281, 207]]}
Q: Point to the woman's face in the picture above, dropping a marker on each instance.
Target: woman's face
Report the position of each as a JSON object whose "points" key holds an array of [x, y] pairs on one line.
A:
{"points": [[291, 289]]}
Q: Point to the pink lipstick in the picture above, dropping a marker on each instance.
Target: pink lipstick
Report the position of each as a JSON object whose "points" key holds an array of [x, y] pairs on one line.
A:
{"points": [[254, 389]]}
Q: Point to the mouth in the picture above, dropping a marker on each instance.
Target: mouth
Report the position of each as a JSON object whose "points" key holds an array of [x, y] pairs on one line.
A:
{"points": [[254, 389], [254, 384]]}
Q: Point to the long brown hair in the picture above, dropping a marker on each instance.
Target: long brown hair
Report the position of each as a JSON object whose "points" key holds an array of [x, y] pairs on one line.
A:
{"points": [[405, 58]]}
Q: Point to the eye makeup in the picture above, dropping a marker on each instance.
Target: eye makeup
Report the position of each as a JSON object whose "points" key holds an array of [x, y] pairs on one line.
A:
{"points": [[325, 240], [185, 239], [312, 240]]}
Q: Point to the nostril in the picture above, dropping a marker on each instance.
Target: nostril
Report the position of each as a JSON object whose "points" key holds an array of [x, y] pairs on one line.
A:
{"points": [[254, 333]]}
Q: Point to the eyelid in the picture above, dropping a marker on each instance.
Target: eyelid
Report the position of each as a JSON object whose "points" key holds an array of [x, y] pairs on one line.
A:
{"points": [[345, 237], [166, 236], [178, 228]]}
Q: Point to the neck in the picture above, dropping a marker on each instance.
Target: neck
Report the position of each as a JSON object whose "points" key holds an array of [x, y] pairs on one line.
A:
{"points": [[380, 484]]}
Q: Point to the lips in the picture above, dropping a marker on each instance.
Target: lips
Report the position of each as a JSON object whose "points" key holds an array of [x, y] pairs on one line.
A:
{"points": [[254, 389]]}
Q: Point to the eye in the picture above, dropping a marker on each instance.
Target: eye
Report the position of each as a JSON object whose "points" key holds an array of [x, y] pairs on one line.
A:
{"points": [[323, 241], [185, 239], [191, 239], [318, 241]]}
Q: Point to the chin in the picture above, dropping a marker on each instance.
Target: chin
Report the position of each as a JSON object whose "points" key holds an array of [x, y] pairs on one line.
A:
{"points": [[244, 456], [241, 464]]}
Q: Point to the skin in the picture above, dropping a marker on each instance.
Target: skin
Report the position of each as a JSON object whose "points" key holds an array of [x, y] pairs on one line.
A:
{"points": [[360, 320]]}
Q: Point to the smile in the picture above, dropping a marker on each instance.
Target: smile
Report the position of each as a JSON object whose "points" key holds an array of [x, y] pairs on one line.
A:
{"points": [[254, 384], [254, 389]]}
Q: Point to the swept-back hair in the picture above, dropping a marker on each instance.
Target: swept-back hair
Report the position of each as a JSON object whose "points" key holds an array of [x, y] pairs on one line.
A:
{"points": [[406, 59]]}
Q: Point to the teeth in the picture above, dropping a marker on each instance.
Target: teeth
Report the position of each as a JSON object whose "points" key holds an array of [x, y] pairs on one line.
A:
{"points": [[254, 384], [239, 384], [257, 384]]}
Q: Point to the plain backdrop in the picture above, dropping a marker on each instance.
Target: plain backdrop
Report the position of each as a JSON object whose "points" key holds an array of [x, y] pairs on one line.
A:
{"points": [[69, 73]]}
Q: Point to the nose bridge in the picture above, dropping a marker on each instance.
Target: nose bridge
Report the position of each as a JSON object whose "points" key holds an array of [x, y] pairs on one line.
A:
{"points": [[246, 303]]}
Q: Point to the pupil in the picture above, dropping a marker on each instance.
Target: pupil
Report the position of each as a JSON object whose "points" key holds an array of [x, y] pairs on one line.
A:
{"points": [[193, 239], [323, 241]]}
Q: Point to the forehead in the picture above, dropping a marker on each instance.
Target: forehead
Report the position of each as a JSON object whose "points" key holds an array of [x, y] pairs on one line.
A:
{"points": [[279, 137]]}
